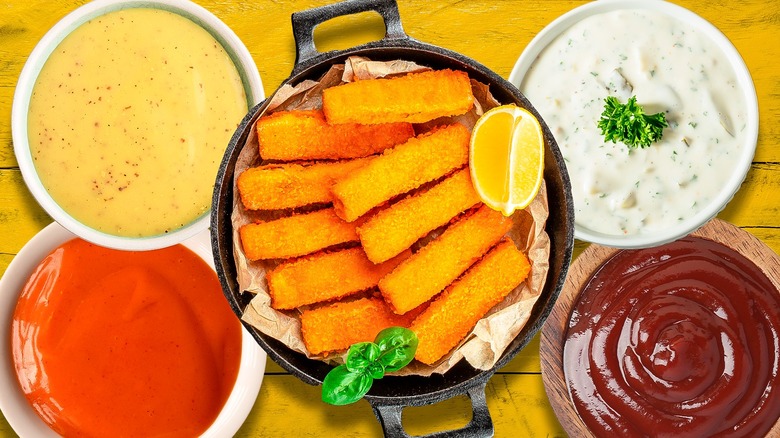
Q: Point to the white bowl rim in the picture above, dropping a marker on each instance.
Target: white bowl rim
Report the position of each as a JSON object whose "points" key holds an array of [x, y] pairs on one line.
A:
{"points": [[14, 406], [240, 55], [744, 79]]}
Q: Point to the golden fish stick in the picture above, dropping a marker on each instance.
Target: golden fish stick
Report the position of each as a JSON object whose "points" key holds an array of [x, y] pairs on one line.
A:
{"points": [[337, 326], [282, 186], [295, 235], [325, 277], [452, 315], [401, 169], [396, 228], [305, 135], [427, 272], [414, 98]]}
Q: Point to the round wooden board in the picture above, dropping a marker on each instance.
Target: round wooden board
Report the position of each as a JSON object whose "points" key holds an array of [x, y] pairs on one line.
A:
{"points": [[551, 347]]}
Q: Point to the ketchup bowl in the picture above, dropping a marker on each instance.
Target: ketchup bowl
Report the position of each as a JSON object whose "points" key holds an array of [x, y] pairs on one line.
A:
{"points": [[14, 403], [675, 340], [129, 158]]}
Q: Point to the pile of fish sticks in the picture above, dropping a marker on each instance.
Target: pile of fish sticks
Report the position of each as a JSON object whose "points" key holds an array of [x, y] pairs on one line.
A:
{"points": [[381, 226]]}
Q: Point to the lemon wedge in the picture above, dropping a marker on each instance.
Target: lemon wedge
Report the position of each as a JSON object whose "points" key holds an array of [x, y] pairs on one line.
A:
{"points": [[506, 158]]}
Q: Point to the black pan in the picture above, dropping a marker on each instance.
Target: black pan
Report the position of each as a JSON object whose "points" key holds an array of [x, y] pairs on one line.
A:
{"points": [[390, 395]]}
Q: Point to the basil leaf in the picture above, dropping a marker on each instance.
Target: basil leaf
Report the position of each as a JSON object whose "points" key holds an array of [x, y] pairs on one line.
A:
{"points": [[393, 337], [342, 386], [376, 370], [392, 350], [398, 346], [361, 355]]}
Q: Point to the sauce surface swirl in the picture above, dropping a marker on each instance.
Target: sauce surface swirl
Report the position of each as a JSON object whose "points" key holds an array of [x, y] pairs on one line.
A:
{"points": [[678, 340]]}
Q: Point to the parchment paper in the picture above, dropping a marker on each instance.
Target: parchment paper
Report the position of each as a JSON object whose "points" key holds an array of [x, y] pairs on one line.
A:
{"points": [[493, 333]]}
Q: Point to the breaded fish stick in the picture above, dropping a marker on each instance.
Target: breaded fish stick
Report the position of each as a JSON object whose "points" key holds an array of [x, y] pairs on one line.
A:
{"points": [[414, 98], [281, 186], [337, 326], [401, 169], [295, 235], [305, 135], [428, 271], [396, 228], [324, 277], [452, 315]]}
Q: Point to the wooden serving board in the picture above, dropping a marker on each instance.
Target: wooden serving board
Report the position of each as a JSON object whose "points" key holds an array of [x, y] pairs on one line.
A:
{"points": [[552, 337]]}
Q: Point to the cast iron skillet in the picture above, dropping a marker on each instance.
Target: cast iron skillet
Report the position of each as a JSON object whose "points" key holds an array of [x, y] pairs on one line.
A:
{"points": [[390, 395]]}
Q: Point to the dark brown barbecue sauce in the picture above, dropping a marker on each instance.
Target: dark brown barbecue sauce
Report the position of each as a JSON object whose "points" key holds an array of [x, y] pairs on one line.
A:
{"points": [[678, 340]]}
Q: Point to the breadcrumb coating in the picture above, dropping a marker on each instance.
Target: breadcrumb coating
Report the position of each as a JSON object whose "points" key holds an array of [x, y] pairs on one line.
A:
{"points": [[325, 277], [397, 227], [414, 98], [428, 271], [305, 135], [403, 168], [452, 315], [283, 186], [295, 235], [337, 326]]}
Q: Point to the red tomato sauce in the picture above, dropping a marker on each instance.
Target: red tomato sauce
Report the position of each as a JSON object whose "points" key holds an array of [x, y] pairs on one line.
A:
{"points": [[681, 340], [115, 343]]}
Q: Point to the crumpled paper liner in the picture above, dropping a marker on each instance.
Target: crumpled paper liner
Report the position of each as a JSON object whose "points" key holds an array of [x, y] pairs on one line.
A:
{"points": [[493, 333]]}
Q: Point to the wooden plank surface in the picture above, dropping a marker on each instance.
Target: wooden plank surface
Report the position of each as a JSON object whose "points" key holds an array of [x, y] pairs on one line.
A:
{"points": [[493, 33]]}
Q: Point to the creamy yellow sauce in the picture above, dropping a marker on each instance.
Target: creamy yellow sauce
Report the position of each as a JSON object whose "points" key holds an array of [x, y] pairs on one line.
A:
{"points": [[129, 119]]}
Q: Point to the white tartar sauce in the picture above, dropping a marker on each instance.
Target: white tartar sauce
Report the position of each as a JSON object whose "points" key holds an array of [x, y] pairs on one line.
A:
{"points": [[670, 68]]}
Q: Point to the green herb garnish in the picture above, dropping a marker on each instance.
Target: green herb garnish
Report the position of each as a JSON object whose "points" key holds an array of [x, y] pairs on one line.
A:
{"points": [[392, 350], [629, 124]]}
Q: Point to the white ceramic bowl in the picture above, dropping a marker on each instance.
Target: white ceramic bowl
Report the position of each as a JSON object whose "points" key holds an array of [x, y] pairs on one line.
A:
{"points": [[744, 82], [14, 405], [220, 31]]}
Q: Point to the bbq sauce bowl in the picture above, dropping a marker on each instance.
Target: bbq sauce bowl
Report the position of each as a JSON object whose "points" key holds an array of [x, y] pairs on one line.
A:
{"points": [[243, 359], [678, 339], [121, 115], [674, 62]]}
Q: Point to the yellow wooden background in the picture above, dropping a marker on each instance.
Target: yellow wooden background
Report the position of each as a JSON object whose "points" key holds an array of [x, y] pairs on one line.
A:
{"points": [[493, 32]]}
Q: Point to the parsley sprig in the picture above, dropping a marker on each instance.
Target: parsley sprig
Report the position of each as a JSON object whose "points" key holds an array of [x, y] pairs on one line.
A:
{"points": [[629, 124]]}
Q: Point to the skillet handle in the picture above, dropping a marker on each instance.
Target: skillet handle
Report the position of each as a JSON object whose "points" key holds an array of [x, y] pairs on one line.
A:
{"points": [[480, 426], [304, 22]]}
